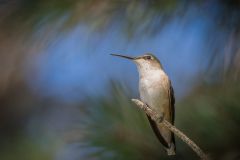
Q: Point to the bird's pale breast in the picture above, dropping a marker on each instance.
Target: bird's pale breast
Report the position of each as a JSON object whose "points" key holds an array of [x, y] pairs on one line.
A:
{"points": [[153, 88]]}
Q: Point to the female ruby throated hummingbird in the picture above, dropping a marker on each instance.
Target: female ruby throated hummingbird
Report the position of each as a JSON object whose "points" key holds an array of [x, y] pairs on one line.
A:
{"points": [[156, 91]]}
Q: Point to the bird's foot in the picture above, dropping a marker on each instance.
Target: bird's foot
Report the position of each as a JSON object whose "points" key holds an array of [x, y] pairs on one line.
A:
{"points": [[159, 118]]}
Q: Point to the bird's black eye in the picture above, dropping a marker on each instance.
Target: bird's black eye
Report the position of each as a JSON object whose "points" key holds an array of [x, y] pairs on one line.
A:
{"points": [[148, 57]]}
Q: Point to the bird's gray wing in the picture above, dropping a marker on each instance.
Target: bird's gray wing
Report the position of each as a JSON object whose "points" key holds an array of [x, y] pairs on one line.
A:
{"points": [[172, 108], [171, 102]]}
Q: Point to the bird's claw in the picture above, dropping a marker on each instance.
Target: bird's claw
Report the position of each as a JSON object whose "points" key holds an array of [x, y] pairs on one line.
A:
{"points": [[159, 118]]}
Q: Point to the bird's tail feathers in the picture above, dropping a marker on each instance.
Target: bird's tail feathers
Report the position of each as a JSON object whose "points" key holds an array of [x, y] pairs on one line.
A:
{"points": [[171, 151]]}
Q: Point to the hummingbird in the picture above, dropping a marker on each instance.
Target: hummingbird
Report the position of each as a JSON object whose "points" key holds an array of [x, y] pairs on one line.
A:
{"points": [[157, 92]]}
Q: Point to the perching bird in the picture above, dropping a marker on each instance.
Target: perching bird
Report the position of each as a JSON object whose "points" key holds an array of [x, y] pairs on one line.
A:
{"points": [[156, 91]]}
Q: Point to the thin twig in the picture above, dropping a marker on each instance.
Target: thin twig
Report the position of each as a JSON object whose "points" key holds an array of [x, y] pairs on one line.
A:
{"points": [[172, 128]]}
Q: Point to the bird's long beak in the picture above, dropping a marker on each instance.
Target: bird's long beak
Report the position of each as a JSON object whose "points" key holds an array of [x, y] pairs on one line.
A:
{"points": [[123, 56]]}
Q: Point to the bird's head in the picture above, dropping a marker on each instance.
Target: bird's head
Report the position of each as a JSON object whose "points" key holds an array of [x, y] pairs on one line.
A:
{"points": [[145, 62]]}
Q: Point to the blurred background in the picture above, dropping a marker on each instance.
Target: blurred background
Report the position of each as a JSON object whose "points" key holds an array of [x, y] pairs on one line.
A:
{"points": [[63, 97]]}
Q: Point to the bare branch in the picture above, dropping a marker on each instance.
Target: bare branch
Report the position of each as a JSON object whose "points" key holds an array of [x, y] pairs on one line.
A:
{"points": [[172, 128]]}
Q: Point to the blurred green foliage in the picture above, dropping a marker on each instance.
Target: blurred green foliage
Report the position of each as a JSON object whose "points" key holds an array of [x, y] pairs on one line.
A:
{"points": [[209, 115], [23, 148], [118, 128]]}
